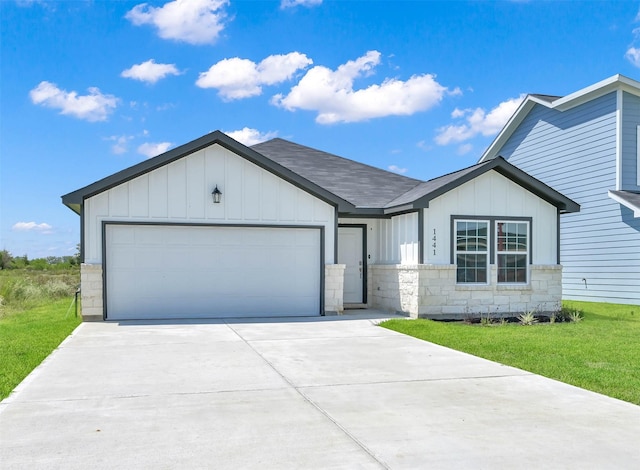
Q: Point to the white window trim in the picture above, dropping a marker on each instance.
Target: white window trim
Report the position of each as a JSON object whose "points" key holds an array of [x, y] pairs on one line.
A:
{"points": [[526, 252], [487, 252]]}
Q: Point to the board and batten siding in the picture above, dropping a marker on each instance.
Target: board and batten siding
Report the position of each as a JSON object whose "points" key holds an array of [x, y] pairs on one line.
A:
{"points": [[398, 240], [180, 192], [490, 195], [574, 152]]}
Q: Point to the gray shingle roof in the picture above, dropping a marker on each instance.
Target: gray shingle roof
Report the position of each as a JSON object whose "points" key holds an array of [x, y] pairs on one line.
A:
{"points": [[353, 187], [362, 185]]}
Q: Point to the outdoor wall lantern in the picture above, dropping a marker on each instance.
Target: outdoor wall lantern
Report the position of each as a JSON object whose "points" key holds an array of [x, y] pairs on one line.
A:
{"points": [[216, 195]]}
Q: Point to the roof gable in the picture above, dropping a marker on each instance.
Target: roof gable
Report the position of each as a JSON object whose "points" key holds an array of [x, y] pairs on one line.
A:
{"points": [[74, 200], [352, 187], [421, 195], [609, 85]]}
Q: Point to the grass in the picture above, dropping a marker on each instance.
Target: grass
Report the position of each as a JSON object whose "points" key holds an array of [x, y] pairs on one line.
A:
{"points": [[600, 353], [34, 319]]}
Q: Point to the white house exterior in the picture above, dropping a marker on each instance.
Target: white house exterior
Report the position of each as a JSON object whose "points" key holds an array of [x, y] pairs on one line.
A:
{"points": [[587, 146], [299, 232]]}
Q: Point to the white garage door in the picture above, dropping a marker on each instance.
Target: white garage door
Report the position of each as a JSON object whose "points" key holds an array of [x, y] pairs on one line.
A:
{"points": [[164, 271]]}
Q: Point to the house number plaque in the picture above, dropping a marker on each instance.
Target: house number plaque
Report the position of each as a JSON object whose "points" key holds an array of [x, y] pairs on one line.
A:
{"points": [[434, 242]]}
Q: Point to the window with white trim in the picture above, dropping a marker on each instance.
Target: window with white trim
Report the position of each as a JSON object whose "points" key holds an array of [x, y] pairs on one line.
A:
{"points": [[472, 251], [512, 251]]}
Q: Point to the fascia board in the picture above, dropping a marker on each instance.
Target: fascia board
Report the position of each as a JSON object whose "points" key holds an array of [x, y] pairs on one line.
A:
{"points": [[617, 82], [561, 104], [509, 128], [76, 198], [402, 208], [627, 204]]}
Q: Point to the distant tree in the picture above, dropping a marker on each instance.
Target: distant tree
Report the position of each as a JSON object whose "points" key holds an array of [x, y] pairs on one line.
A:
{"points": [[5, 259], [38, 264], [20, 262]]}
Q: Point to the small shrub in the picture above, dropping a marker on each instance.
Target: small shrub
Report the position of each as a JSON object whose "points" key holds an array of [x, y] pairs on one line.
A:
{"points": [[528, 318], [575, 316], [568, 314]]}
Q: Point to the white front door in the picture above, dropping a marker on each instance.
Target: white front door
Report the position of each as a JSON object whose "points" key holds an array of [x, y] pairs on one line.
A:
{"points": [[351, 254]]}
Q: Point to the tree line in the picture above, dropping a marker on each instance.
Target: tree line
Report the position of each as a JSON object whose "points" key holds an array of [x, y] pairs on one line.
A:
{"points": [[8, 261]]}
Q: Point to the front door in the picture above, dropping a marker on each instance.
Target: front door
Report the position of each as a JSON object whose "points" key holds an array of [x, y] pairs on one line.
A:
{"points": [[351, 253]]}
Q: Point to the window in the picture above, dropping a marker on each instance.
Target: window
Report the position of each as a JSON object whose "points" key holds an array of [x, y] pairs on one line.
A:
{"points": [[472, 251], [479, 243], [512, 249]]}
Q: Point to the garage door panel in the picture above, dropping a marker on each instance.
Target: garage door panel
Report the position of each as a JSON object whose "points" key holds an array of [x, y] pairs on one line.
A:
{"points": [[196, 272]]}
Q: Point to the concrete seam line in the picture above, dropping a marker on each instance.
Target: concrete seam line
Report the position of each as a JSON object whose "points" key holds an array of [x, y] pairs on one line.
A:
{"points": [[314, 404]]}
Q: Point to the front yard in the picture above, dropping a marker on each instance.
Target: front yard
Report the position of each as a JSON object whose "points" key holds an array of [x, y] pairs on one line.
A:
{"points": [[600, 353], [36, 314]]}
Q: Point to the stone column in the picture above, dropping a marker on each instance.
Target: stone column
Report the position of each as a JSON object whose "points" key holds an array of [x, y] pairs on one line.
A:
{"points": [[333, 289], [91, 292]]}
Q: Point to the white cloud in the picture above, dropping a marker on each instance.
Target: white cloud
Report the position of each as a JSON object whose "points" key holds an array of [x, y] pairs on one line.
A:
{"points": [[294, 3], [238, 78], [331, 93], [478, 121], [44, 227], [633, 56], [150, 71], [422, 145], [397, 169], [249, 137], [191, 21], [93, 107], [120, 143], [151, 149], [633, 53], [464, 149]]}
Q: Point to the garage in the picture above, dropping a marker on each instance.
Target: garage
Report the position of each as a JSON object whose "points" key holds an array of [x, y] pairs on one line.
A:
{"points": [[171, 271]]}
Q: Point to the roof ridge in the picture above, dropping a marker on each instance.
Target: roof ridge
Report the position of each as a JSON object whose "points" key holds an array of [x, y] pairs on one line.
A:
{"points": [[337, 156]]}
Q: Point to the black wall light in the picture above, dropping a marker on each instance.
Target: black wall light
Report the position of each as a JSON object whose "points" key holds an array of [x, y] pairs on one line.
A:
{"points": [[216, 194]]}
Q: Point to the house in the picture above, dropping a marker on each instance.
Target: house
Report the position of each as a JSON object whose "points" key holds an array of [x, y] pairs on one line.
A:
{"points": [[587, 146], [217, 229]]}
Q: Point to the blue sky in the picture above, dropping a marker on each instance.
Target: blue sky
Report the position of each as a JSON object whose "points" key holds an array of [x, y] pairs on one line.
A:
{"points": [[421, 88]]}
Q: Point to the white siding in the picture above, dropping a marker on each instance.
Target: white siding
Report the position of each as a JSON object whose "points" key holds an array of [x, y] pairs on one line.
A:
{"points": [[181, 192], [399, 240], [490, 195]]}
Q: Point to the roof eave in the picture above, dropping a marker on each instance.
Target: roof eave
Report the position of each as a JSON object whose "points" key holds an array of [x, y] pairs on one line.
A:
{"points": [[515, 174], [511, 125], [76, 198], [608, 85], [628, 204]]}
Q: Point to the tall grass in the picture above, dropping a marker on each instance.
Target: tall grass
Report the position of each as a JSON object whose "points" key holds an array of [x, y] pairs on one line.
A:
{"points": [[21, 289]]}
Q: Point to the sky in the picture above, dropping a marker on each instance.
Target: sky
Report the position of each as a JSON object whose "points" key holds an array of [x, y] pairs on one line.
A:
{"points": [[420, 88]]}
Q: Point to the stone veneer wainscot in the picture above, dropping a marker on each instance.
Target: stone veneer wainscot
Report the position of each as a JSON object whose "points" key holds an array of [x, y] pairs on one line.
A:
{"points": [[430, 291]]}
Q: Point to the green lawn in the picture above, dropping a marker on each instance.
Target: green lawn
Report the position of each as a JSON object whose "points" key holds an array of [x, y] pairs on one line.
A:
{"points": [[600, 353], [34, 319], [28, 337]]}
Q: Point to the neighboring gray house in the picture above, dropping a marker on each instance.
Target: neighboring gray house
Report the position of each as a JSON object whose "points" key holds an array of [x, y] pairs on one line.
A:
{"points": [[217, 229], [587, 146]]}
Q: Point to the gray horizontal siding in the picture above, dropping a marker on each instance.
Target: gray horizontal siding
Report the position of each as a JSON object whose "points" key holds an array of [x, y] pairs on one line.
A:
{"points": [[575, 153], [630, 122]]}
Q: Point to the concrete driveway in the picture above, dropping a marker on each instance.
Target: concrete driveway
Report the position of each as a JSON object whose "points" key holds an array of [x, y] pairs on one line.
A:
{"points": [[334, 392]]}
